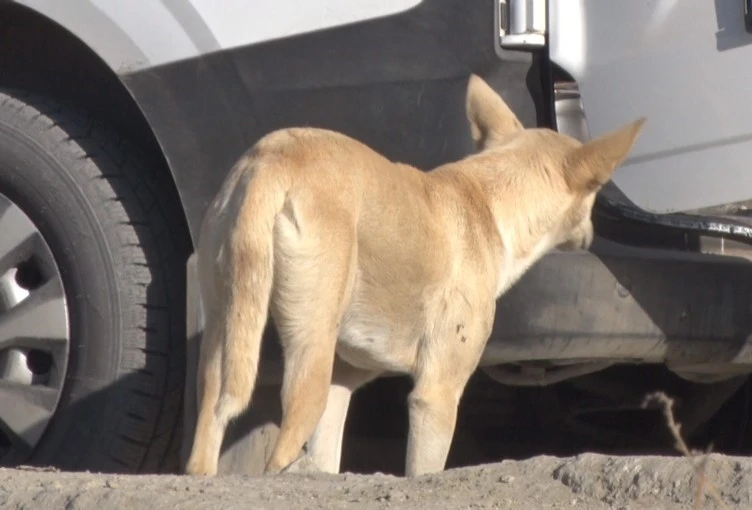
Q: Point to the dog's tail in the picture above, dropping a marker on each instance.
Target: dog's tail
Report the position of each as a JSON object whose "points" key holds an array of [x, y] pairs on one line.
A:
{"points": [[250, 257]]}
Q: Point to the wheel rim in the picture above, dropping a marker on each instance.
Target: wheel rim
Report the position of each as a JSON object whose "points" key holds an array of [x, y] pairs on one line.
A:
{"points": [[34, 334]]}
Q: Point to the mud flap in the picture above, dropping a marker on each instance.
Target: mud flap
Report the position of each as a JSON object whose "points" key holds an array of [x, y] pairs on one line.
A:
{"points": [[194, 328]]}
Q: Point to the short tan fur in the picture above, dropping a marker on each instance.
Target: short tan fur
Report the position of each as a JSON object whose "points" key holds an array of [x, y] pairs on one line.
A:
{"points": [[371, 267]]}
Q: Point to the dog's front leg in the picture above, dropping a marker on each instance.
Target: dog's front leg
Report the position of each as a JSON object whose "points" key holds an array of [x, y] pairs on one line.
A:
{"points": [[325, 445], [445, 364]]}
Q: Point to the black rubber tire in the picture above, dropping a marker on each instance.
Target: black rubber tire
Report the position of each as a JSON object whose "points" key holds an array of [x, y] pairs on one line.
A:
{"points": [[115, 226]]}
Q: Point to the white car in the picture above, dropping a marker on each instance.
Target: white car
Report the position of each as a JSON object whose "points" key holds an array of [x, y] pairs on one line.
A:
{"points": [[119, 120]]}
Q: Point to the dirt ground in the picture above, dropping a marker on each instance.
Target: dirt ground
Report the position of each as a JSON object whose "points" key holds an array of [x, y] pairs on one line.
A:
{"points": [[586, 482]]}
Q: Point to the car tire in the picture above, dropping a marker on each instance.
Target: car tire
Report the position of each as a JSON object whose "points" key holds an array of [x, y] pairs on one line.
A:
{"points": [[114, 226]]}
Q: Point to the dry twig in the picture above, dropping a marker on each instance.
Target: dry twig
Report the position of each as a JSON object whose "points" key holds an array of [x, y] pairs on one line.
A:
{"points": [[698, 460]]}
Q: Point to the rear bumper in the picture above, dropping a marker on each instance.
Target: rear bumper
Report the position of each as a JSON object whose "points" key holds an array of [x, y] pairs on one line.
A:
{"points": [[620, 303]]}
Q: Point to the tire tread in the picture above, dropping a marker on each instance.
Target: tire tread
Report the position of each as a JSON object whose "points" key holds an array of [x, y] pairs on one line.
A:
{"points": [[143, 220]]}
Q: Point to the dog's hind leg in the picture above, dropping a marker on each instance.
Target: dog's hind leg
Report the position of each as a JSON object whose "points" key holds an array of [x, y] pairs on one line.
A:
{"points": [[315, 264], [209, 430], [325, 446]]}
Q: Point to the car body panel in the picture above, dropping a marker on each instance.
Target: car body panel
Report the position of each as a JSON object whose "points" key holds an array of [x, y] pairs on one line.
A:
{"points": [[139, 34], [396, 83], [695, 144], [685, 66], [391, 74]]}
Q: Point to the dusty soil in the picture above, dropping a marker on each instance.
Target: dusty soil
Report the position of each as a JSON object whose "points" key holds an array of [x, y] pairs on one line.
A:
{"points": [[587, 482]]}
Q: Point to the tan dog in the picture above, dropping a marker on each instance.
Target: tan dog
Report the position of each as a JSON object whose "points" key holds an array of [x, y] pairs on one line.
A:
{"points": [[393, 269]]}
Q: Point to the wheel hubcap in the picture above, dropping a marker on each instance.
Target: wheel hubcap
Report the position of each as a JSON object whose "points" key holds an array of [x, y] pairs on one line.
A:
{"points": [[34, 334]]}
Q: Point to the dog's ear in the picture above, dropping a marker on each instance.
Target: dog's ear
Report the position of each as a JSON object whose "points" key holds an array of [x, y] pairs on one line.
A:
{"points": [[591, 165], [490, 117]]}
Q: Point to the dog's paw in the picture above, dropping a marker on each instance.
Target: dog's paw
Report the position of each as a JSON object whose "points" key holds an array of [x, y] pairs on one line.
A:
{"points": [[303, 464], [197, 468]]}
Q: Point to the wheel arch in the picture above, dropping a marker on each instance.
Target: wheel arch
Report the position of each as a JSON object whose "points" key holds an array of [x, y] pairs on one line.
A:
{"points": [[36, 55]]}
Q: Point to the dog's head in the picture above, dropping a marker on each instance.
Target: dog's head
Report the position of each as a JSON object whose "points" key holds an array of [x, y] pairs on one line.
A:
{"points": [[549, 178]]}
